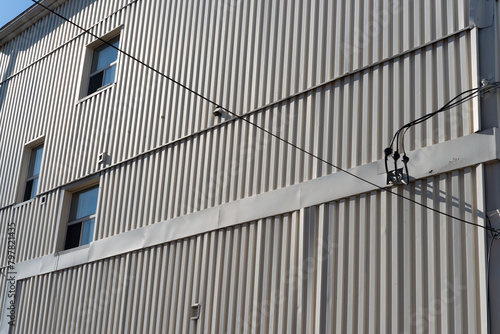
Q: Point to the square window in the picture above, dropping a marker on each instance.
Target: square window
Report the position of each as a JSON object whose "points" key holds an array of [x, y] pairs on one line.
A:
{"points": [[103, 69], [31, 184], [82, 218]]}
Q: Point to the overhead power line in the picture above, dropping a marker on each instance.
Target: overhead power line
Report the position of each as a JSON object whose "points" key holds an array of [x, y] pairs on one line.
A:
{"points": [[263, 129]]}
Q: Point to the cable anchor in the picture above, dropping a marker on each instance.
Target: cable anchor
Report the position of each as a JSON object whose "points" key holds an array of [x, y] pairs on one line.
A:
{"points": [[399, 175]]}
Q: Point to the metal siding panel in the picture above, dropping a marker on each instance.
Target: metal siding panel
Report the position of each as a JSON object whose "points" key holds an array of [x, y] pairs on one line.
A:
{"points": [[246, 55], [217, 183], [183, 20], [342, 248], [340, 265], [3, 287]]}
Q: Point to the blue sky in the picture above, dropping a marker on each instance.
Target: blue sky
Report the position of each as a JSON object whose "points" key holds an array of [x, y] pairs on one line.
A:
{"points": [[9, 9]]}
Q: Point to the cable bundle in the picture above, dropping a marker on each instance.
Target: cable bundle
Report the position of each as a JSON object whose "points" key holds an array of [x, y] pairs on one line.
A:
{"points": [[396, 176]]}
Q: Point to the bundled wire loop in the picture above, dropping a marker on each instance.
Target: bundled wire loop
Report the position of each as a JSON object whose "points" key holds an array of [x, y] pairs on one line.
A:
{"points": [[396, 149]]}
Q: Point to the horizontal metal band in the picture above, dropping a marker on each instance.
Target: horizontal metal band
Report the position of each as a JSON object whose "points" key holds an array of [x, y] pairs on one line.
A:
{"points": [[456, 154]]}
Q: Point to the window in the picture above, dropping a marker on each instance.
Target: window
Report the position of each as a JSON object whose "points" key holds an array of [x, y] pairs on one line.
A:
{"points": [[33, 173], [103, 69], [82, 218]]}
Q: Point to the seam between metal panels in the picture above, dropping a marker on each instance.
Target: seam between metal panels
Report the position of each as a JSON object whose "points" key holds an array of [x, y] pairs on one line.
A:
{"points": [[249, 113], [329, 188], [66, 43], [364, 68]]}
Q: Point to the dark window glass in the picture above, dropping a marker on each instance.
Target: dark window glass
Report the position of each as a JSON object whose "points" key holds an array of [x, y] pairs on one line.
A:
{"points": [[73, 236], [28, 191], [95, 82]]}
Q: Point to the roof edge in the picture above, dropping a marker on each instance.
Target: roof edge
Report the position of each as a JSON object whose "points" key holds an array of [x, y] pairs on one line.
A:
{"points": [[26, 19]]}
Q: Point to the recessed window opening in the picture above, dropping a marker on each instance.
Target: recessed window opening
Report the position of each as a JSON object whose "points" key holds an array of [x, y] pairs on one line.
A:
{"points": [[82, 218], [103, 69], [31, 185]]}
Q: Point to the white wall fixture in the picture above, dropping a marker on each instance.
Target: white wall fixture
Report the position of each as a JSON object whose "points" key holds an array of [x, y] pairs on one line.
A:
{"points": [[195, 311]]}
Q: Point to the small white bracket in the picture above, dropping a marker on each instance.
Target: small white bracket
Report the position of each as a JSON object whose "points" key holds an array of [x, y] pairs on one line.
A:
{"points": [[103, 158], [217, 111], [195, 311]]}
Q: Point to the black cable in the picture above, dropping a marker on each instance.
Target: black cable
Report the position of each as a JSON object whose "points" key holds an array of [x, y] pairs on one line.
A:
{"points": [[456, 101], [128, 55], [447, 106], [427, 117], [71, 39], [488, 279], [263, 129], [399, 137], [494, 236]]}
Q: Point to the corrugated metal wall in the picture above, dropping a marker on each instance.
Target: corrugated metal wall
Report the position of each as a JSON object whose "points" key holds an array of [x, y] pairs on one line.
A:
{"points": [[235, 160], [368, 264], [36, 228], [284, 51], [4, 288]]}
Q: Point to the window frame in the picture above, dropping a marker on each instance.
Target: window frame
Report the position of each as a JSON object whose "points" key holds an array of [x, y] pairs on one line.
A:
{"points": [[86, 64], [103, 70], [23, 178], [34, 176], [66, 197], [81, 220]]}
